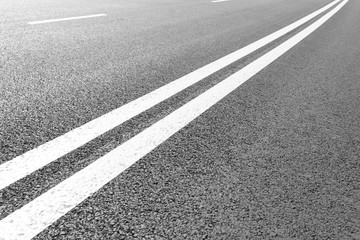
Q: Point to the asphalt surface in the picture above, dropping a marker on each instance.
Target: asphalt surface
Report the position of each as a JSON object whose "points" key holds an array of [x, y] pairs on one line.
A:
{"points": [[59, 76], [276, 159]]}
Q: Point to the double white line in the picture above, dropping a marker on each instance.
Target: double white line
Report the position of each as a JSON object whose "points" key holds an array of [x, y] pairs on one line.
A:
{"points": [[34, 217]]}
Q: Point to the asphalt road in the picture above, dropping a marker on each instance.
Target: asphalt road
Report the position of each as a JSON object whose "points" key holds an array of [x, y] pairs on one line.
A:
{"points": [[278, 158]]}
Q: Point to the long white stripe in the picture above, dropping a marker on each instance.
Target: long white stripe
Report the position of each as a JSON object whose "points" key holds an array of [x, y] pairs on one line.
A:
{"points": [[66, 19], [30, 220], [25, 164]]}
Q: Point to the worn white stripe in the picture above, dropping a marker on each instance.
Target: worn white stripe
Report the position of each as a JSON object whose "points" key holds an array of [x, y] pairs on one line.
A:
{"points": [[67, 19], [30, 220], [37, 158]]}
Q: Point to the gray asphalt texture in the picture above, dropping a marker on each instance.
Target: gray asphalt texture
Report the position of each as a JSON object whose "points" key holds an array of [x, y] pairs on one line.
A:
{"points": [[56, 77], [276, 159]]}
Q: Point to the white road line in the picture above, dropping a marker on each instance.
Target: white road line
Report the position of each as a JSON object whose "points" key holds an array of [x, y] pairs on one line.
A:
{"points": [[66, 19], [31, 219], [23, 165], [217, 1]]}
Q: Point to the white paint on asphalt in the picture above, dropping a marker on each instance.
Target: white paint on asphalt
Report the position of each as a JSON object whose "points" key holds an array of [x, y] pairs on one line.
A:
{"points": [[67, 19], [23, 165], [34, 217], [217, 1]]}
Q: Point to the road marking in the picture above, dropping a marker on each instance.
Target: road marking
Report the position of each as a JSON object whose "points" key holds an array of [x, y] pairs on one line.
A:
{"points": [[34, 217], [66, 19], [23, 165], [217, 1]]}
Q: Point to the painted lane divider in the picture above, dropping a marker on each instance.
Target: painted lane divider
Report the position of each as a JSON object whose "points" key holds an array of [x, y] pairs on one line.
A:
{"points": [[34, 217], [23, 165], [217, 1], [66, 19]]}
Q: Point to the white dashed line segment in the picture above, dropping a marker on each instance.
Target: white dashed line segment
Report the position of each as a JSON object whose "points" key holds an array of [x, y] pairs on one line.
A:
{"points": [[217, 1], [66, 19]]}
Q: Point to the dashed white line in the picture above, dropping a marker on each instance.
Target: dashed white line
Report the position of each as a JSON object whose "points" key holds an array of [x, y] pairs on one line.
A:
{"points": [[34, 217], [66, 19], [217, 1], [19, 167]]}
